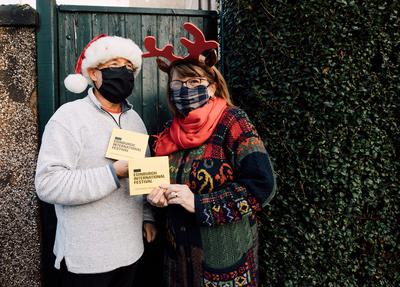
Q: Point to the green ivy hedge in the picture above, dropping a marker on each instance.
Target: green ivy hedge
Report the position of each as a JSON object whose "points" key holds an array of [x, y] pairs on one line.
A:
{"points": [[320, 80]]}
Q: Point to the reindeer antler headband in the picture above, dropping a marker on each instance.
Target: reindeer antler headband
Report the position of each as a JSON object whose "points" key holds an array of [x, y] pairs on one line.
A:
{"points": [[195, 48]]}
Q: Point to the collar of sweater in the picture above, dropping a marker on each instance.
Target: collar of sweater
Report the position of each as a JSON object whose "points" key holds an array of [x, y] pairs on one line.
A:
{"points": [[125, 105]]}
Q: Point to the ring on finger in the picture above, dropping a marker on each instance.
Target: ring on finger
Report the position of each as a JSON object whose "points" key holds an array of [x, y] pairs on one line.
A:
{"points": [[174, 195]]}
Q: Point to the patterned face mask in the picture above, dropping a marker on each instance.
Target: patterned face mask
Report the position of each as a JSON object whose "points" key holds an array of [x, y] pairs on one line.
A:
{"points": [[188, 99]]}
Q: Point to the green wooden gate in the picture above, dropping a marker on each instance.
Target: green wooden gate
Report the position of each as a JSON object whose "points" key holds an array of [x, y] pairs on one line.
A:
{"points": [[63, 33], [65, 30]]}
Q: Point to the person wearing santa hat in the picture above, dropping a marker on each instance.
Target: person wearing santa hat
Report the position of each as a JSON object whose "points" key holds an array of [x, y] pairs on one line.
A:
{"points": [[100, 227]]}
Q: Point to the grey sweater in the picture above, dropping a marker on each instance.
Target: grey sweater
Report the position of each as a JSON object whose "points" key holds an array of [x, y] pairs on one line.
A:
{"points": [[99, 225]]}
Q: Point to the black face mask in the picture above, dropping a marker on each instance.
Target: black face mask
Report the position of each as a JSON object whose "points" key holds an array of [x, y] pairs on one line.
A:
{"points": [[117, 84]]}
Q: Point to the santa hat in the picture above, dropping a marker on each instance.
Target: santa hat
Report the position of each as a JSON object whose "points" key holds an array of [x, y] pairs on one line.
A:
{"points": [[100, 50]]}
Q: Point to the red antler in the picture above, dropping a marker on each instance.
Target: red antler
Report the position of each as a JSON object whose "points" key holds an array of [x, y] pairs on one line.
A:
{"points": [[153, 51], [199, 45], [195, 48]]}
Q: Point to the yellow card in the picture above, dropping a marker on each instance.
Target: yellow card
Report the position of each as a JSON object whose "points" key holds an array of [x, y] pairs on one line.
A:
{"points": [[125, 145], [147, 173]]}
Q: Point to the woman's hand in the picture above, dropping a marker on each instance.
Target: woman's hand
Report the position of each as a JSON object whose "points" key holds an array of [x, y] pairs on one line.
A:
{"points": [[149, 231], [157, 198], [179, 194]]}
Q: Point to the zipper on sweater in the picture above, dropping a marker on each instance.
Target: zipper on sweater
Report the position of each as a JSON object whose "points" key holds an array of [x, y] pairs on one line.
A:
{"points": [[183, 230], [119, 118], [179, 174]]}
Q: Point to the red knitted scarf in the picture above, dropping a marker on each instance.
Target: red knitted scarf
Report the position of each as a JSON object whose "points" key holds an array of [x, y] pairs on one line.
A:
{"points": [[191, 131]]}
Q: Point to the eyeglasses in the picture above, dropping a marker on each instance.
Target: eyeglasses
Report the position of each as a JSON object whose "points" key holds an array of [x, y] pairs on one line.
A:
{"points": [[190, 83], [129, 67]]}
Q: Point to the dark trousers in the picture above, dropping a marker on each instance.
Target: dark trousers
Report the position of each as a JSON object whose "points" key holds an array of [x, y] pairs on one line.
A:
{"points": [[120, 277]]}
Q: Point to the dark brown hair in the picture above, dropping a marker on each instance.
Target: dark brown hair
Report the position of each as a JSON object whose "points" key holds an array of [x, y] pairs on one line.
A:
{"points": [[190, 68]]}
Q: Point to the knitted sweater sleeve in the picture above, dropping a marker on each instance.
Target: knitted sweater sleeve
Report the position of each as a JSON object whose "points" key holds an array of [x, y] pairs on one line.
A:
{"points": [[253, 185], [59, 181]]}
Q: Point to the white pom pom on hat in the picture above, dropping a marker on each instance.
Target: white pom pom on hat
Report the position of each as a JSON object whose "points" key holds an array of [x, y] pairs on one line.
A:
{"points": [[100, 50], [75, 83]]}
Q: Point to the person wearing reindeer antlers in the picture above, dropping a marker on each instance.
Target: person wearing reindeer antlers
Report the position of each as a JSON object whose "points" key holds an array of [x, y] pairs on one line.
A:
{"points": [[220, 172], [100, 227]]}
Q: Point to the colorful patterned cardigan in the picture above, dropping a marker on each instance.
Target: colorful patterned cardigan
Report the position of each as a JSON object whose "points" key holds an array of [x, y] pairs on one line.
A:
{"points": [[232, 179]]}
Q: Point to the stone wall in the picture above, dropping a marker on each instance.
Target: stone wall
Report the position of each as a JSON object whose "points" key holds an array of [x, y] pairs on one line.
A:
{"points": [[19, 207]]}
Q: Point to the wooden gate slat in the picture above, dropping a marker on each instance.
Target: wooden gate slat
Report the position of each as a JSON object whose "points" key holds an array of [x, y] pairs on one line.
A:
{"points": [[150, 80], [133, 28]]}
